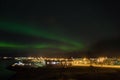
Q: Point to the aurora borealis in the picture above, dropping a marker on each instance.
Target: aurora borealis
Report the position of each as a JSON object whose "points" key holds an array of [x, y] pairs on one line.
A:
{"points": [[35, 26], [25, 30]]}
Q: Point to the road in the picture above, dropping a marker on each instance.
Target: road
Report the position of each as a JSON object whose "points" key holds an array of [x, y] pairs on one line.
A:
{"points": [[94, 65]]}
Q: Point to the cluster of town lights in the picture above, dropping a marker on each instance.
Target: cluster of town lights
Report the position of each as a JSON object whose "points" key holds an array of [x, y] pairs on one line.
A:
{"points": [[43, 61]]}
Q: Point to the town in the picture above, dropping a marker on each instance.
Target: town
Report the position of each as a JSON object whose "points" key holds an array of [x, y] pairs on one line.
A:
{"points": [[65, 62]]}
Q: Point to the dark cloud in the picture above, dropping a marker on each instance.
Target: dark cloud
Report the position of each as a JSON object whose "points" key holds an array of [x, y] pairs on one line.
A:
{"points": [[109, 47]]}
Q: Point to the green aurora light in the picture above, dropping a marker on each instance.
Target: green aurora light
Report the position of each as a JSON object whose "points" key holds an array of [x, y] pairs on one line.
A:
{"points": [[28, 30], [40, 46]]}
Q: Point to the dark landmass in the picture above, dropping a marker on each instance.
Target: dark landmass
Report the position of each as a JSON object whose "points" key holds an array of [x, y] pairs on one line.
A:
{"points": [[71, 73]]}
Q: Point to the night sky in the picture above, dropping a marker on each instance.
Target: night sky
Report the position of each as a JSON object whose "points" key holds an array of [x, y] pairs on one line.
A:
{"points": [[46, 28]]}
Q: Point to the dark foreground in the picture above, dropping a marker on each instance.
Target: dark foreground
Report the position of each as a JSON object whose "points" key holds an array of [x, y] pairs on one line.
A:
{"points": [[73, 73]]}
